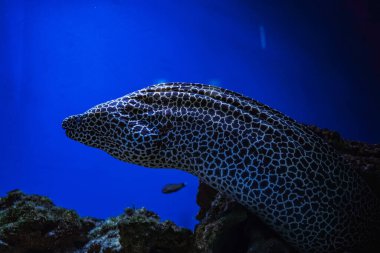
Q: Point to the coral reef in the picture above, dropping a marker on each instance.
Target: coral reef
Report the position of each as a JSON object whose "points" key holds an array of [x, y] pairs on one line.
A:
{"points": [[32, 223]]}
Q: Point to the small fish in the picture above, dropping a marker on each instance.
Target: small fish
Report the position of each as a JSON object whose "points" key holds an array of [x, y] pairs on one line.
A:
{"points": [[170, 188]]}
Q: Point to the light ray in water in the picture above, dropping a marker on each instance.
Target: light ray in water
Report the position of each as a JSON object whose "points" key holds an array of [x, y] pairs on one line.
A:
{"points": [[263, 39]]}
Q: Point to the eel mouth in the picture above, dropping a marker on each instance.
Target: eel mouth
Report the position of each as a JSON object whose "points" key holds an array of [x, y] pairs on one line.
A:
{"points": [[71, 125], [77, 135], [70, 133]]}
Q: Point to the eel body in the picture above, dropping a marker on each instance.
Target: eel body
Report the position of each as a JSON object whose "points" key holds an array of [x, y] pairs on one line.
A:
{"points": [[279, 169]]}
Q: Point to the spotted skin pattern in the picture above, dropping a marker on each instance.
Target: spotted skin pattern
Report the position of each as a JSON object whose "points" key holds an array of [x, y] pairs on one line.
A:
{"points": [[279, 169]]}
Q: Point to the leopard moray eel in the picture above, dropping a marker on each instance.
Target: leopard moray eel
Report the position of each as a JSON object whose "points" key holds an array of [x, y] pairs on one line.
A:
{"points": [[279, 169]]}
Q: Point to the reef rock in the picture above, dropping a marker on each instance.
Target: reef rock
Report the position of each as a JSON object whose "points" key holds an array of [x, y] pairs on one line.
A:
{"points": [[139, 231], [32, 223], [226, 226]]}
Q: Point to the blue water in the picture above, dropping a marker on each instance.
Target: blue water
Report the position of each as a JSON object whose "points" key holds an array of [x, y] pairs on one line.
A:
{"points": [[314, 61]]}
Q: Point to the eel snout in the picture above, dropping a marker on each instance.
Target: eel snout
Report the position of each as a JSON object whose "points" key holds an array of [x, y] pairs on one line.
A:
{"points": [[72, 122]]}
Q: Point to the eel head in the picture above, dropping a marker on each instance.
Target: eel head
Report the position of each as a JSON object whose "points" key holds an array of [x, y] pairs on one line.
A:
{"points": [[121, 127]]}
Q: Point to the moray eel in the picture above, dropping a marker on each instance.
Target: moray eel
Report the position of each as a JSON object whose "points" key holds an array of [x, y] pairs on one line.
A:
{"points": [[279, 169]]}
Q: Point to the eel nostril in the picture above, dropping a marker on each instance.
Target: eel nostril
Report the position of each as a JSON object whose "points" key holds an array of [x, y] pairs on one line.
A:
{"points": [[65, 123], [71, 122]]}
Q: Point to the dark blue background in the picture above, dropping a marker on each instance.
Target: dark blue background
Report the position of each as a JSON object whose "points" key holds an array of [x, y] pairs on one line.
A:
{"points": [[317, 61]]}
